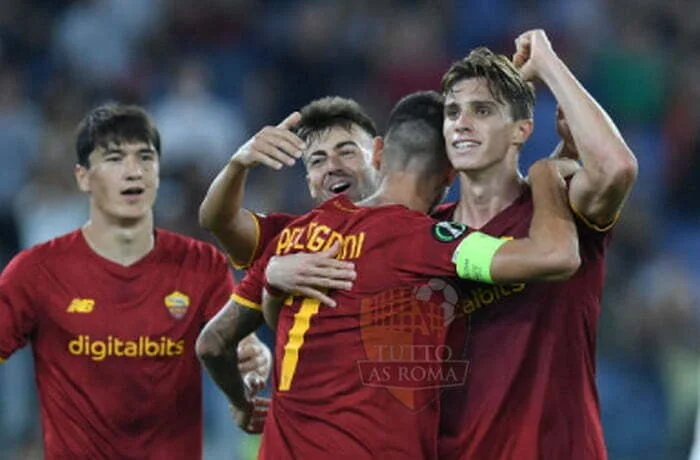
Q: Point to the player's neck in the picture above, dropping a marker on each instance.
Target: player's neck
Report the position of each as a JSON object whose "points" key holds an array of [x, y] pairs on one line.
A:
{"points": [[484, 194], [405, 189], [121, 244]]}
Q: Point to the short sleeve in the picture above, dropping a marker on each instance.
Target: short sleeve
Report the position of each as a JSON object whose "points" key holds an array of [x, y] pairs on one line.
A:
{"points": [[18, 315], [268, 226], [249, 291], [222, 285]]}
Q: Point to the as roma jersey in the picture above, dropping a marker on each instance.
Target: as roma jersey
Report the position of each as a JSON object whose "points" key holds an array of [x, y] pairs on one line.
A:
{"points": [[530, 392], [114, 346], [362, 380]]}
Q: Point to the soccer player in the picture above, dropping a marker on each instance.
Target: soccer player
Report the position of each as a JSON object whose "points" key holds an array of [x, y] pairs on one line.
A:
{"points": [[112, 310], [531, 390], [330, 397], [344, 168]]}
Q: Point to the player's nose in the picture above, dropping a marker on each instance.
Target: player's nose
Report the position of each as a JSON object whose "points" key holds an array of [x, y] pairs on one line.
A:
{"points": [[133, 169], [465, 122]]}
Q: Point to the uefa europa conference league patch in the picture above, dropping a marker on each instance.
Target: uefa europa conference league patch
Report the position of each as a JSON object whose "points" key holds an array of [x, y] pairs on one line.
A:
{"points": [[447, 231]]}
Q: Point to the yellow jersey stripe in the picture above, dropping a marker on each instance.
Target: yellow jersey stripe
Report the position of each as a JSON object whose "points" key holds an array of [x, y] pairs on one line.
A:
{"points": [[302, 322], [240, 266], [245, 302]]}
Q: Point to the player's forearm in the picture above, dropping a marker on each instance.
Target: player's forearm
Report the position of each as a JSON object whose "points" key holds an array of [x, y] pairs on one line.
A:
{"points": [[271, 306], [552, 230], [606, 159], [550, 252], [223, 369], [217, 349], [222, 214]]}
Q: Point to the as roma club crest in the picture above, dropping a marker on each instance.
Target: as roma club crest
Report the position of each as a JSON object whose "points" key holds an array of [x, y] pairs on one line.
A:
{"points": [[177, 303]]}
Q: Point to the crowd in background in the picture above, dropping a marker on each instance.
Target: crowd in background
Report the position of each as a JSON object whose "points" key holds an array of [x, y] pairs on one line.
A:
{"points": [[213, 72]]}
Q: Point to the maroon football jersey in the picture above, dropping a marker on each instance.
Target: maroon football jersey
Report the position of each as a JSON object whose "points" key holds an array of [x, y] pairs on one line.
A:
{"points": [[361, 381], [114, 346], [530, 392], [267, 227]]}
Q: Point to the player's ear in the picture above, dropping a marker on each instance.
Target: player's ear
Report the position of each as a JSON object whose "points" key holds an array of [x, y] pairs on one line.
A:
{"points": [[81, 177], [378, 149], [522, 131]]}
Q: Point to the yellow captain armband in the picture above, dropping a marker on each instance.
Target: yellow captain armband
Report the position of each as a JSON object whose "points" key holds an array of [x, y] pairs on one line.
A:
{"points": [[474, 255]]}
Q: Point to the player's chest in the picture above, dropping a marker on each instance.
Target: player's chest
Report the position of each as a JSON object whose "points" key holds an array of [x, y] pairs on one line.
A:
{"points": [[122, 308]]}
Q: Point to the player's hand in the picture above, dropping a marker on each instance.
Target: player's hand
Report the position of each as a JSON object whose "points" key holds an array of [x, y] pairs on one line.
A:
{"points": [[254, 358], [311, 274], [251, 417], [532, 50], [273, 146]]}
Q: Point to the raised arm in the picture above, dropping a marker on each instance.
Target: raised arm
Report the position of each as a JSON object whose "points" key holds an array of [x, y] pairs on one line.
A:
{"points": [[217, 347], [599, 189], [550, 252], [221, 211]]}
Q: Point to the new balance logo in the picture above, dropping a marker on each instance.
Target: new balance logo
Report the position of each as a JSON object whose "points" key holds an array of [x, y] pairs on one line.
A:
{"points": [[81, 306]]}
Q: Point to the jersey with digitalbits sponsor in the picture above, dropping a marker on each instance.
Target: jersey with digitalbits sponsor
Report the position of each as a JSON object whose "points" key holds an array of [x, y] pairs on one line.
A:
{"points": [[361, 381], [114, 346], [530, 392]]}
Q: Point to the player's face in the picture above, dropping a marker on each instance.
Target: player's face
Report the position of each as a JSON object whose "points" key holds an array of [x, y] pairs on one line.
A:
{"points": [[340, 162], [122, 180], [479, 131]]}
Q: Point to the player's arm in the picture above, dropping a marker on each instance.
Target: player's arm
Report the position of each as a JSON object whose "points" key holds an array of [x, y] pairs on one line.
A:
{"points": [[18, 304], [548, 253], [272, 304], [221, 211], [598, 191], [217, 349]]}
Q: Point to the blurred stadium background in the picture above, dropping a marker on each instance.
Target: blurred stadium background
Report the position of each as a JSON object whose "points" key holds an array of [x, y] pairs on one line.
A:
{"points": [[213, 72]]}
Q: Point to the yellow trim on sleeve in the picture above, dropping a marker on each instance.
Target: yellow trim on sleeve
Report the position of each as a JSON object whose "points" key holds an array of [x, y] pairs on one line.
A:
{"points": [[245, 302], [593, 226], [235, 264], [2, 360]]}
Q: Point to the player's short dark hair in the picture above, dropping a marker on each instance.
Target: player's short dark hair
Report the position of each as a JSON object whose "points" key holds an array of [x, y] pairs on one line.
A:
{"points": [[414, 133], [321, 115], [116, 123], [503, 79]]}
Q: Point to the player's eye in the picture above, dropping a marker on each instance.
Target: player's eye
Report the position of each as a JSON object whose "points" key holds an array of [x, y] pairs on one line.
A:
{"points": [[483, 111], [451, 112], [347, 153], [148, 156], [316, 161], [113, 158]]}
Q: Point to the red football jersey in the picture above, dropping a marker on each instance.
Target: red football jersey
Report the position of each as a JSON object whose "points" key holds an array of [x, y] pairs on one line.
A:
{"points": [[267, 227], [530, 392], [114, 346], [361, 381]]}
